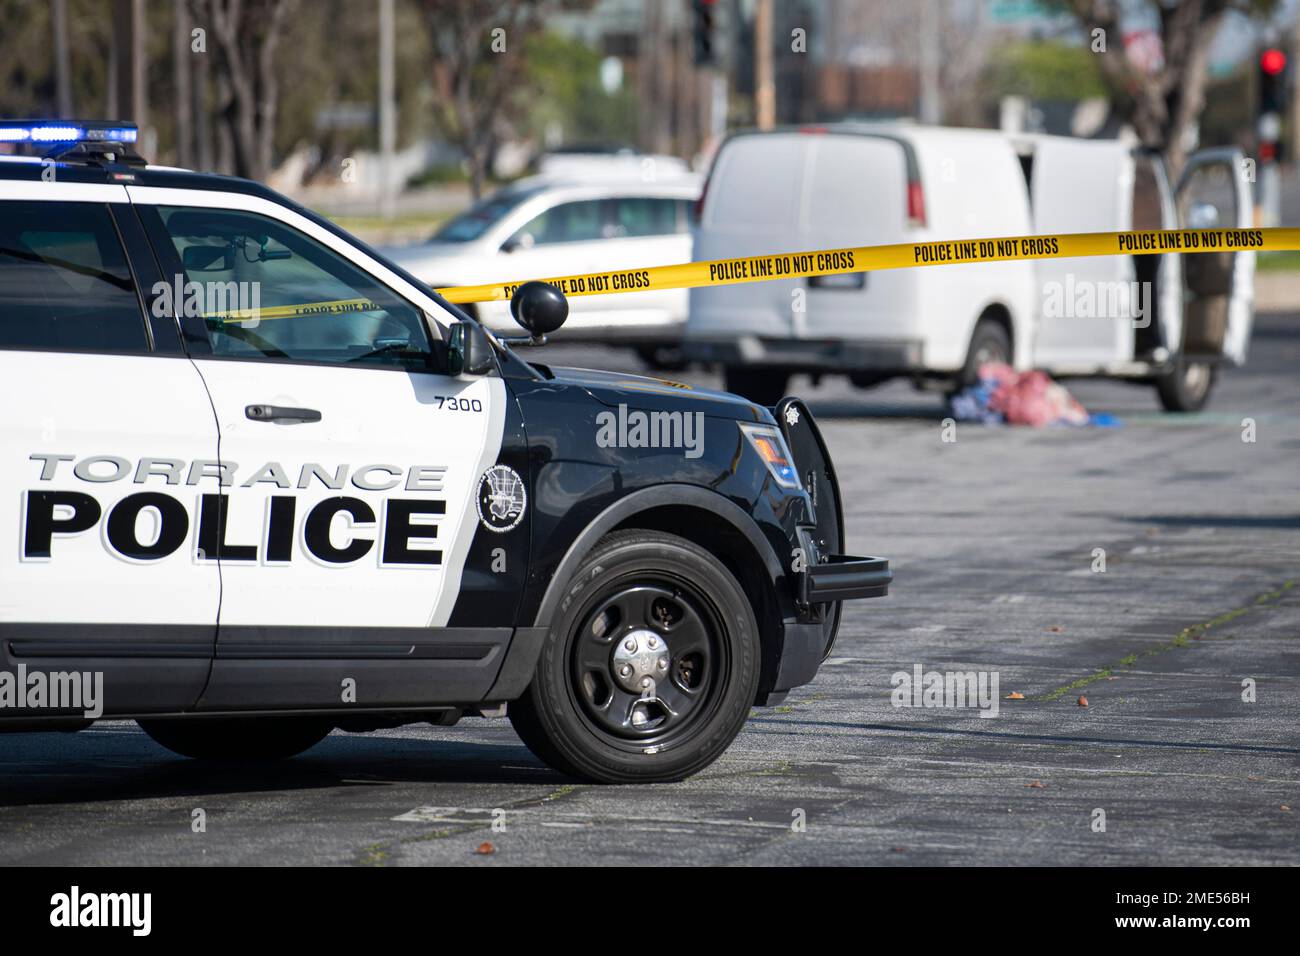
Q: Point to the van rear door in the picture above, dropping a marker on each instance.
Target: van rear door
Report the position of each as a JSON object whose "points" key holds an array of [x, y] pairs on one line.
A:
{"points": [[797, 192], [1213, 193], [1087, 302]]}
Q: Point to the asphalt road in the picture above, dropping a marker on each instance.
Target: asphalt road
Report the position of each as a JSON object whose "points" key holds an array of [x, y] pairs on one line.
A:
{"points": [[992, 539]]}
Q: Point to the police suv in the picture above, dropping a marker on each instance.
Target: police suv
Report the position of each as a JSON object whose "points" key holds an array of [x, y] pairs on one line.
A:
{"points": [[263, 484]]}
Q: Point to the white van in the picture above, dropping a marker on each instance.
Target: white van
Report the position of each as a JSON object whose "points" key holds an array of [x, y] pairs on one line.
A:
{"points": [[1165, 319]]}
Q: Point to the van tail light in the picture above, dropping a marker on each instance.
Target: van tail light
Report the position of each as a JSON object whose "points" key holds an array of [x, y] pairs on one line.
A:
{"points": [[915, 204]]}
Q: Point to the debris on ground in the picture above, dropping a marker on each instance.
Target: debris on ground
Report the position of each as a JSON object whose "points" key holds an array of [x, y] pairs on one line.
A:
{"points": [[1004, 396]]}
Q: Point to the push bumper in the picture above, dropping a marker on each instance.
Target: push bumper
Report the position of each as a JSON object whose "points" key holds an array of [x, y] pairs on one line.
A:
{"points": [[804, 645], [845, 578]]}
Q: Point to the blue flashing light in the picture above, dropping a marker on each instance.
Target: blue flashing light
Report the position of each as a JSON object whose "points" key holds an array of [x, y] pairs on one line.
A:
{"points": [[47, 132]]}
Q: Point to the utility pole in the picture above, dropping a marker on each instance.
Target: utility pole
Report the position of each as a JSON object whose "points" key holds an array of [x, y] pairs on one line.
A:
{"points": [[931, 105], [387, 109], [1295, 95], [181, 69], [202, 121], [764, 67], [62, 67], [128, 72]]}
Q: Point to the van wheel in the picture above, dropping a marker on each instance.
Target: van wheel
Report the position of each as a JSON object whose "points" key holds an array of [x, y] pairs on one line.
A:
{"points": [[1186, 387], [763, 386], [237, 738], [650, 667], [988, 343]]}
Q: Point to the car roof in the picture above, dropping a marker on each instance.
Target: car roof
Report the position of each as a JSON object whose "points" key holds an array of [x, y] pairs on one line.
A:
{"points": [[621, 184], [906, 131], [112, 174]]}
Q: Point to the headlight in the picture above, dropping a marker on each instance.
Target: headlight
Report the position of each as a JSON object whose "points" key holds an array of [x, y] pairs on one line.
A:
{"points": [[771, 447]]}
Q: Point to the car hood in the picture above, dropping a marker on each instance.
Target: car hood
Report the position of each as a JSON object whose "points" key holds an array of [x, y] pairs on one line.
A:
{"points": [[642, 391]]}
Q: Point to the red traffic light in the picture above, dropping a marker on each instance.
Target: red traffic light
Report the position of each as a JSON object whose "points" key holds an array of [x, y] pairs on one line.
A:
{"points": [[1272, 61]]}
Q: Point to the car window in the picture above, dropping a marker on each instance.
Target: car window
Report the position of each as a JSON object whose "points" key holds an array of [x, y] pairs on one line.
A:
{"points": [[266, 290], [475, 221], [64, 280], [582, 221], [645, 216]]}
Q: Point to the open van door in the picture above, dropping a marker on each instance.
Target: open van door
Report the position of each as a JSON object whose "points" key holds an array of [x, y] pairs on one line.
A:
{"points": [[1086, 317], [1213, 194]]}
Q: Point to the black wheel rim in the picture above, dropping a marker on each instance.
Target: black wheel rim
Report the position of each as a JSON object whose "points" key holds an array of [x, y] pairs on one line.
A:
{"points": [[667, 619]]}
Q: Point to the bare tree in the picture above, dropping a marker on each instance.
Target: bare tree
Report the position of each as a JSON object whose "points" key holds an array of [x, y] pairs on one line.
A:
{"points": [[479, 69], [246, 35], [1164, 104]]}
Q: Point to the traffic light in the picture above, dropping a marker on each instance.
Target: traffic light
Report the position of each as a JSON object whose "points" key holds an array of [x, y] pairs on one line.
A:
{"points": [[1272, 103], [1272, 80], [705, 54]]}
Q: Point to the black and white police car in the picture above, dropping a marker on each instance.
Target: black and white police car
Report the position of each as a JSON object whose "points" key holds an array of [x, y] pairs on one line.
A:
{"points": [[267, 484]]}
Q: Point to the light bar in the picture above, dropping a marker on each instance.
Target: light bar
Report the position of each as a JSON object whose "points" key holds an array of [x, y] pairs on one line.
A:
{"points": [[48, 131]]}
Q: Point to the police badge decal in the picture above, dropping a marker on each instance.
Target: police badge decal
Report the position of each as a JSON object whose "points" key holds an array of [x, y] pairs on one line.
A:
{"points": [[501, 498]]}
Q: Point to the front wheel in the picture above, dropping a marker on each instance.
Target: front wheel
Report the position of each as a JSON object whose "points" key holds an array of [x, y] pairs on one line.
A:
{"points": [[650, 667], [237, 738], [1186, 387]]}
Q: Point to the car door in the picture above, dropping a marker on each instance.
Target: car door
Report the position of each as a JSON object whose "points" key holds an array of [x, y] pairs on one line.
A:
{"points": [[646, 231], [569, 237], [105, 435], [350, 465], [1213, 193]]}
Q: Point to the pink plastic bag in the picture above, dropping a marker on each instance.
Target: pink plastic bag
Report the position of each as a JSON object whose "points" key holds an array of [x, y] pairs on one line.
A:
{"points": [[1030, 398]]}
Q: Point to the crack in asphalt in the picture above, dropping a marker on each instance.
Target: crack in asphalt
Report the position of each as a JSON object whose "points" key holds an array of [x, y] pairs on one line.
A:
{"points": [[912, 729], [1194, 631]]}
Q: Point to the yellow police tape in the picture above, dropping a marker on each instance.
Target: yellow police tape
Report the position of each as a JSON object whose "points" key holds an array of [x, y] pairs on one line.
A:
{"points": [[904, 255], [335, 307], [824, 262]]}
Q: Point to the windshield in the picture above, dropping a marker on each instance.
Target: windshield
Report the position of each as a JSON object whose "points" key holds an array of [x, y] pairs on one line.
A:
{"points": [[482, 216]]}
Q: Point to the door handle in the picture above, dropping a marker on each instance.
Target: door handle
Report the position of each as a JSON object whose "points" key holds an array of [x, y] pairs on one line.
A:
{"points": [[281, 413]]}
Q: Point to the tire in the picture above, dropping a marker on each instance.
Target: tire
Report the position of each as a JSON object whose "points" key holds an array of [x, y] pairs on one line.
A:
{"points": [[988, 343], [237, 738], [763, 386], [1187, 387], [581, 717]]}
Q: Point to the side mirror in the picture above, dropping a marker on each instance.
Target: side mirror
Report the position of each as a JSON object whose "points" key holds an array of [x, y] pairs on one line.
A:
{"points": [[468, 351], [539, 307], [520, 240]]}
